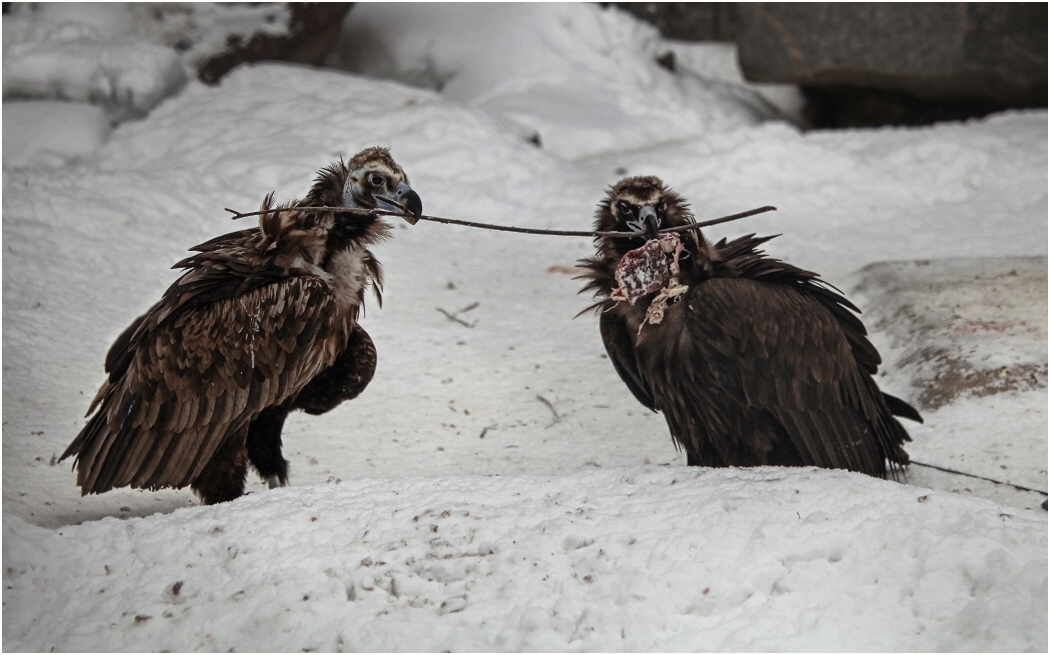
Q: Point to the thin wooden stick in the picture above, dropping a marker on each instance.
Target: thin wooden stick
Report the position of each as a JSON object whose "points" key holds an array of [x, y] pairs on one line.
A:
{"points": [[979, 477], [506, 228]]}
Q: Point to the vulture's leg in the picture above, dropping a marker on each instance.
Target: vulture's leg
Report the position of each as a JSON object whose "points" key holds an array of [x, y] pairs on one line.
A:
{"points": [[344, 379], [264, 445], [784, 452], [223, 477]]}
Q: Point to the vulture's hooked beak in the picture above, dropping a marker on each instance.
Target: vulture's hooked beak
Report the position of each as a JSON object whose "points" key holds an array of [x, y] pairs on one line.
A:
{"points": [[403, 200], [648, 222]]}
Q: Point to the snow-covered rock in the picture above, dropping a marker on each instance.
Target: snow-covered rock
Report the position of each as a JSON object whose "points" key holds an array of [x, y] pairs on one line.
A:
{"points": [[582, 79], [84, 54], [127, 57]]}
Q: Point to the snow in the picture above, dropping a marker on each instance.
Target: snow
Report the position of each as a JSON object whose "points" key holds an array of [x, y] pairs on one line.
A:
{"points": [[952, 304], [715, 65], [948, 191], [67, 59], [645, 558], [933, 321], [585, 81], [124, 57], [51, 131], [461, 419]]}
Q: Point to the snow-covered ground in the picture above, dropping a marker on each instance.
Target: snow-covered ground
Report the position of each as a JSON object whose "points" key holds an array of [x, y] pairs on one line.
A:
{"points": [[588, 482], [934, 322], [639, 558]]}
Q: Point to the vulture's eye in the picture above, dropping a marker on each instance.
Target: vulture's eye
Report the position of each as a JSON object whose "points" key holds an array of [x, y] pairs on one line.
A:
{"points": [[376, 180], [661, 207], [624, 208]]}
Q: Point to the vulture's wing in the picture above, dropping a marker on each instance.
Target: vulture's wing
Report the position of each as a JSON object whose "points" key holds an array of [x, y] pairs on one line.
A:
{"points": [[618, 345], [189, 380], [781, 351]]}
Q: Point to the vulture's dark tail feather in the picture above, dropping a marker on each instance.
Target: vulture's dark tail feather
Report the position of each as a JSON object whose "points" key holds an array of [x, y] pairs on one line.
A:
{"points": [[77, 446], [900, 408], [113, 457], [119, 356]]}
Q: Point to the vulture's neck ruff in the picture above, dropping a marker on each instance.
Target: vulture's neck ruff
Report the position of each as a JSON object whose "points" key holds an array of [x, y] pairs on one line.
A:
{"points": [[333, 245]]}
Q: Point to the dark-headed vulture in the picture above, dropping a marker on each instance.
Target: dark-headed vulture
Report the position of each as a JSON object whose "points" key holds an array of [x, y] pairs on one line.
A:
{"points": [[262, 322], [752, 361]]}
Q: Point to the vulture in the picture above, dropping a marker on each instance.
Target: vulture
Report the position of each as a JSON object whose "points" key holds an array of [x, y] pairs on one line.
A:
{"points": [[261, 322], [752, 361]]}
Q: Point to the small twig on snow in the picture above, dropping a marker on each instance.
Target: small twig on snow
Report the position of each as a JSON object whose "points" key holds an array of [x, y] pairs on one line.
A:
{"points": [[455, 317], [557, 417]]}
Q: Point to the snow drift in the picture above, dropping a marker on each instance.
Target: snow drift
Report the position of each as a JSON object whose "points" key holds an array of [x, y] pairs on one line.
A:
{"points": [[579, 82], [626, 559]]}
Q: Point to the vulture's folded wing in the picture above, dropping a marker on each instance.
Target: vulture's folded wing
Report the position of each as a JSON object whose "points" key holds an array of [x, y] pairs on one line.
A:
{"points": [[194, 378], [781, 351], [619, 346]]}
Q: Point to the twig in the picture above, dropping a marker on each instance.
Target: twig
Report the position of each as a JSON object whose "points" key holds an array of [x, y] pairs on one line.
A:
{"points": [[550, 407], [504, 228], [455, 317], [979, 477], [486, 429]]}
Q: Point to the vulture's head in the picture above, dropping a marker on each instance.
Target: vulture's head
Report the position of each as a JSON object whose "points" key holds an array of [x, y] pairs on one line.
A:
{"points": [[370, 180], [641, 205], [375, 181]]}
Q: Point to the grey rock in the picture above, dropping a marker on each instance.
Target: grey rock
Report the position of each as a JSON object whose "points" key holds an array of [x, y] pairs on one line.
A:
{"points": [[930, 50], [686, 21]]}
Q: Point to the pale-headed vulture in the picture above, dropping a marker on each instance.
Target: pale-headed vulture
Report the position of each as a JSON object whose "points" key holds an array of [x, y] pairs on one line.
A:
{"points": [[263, 321]]}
